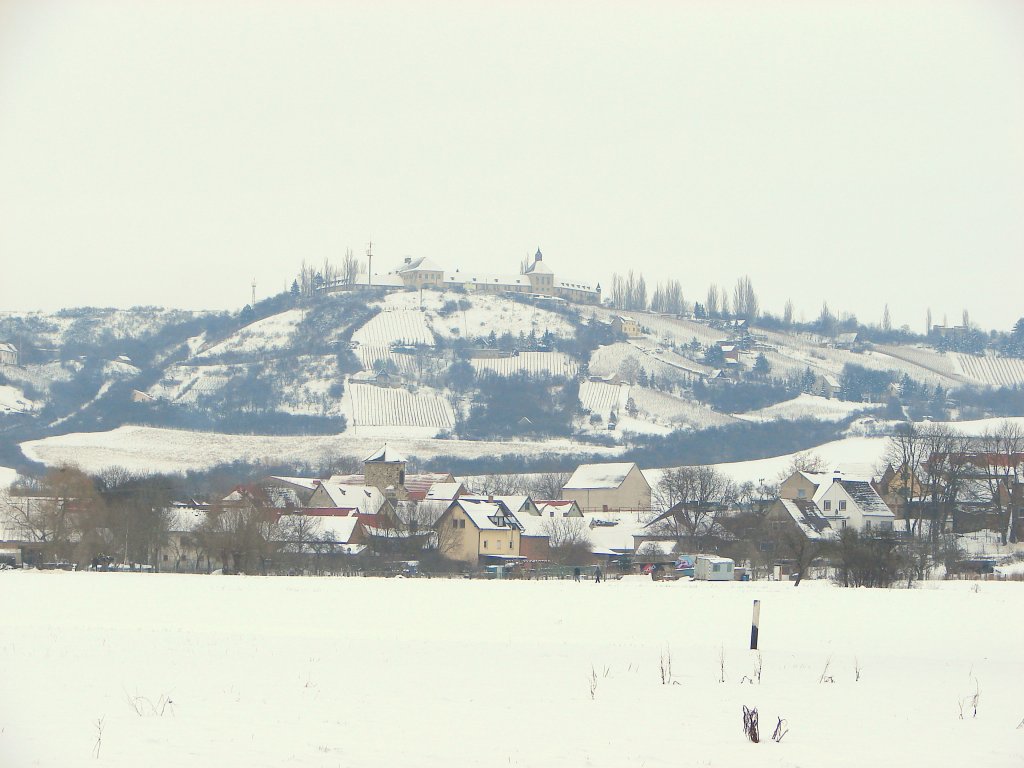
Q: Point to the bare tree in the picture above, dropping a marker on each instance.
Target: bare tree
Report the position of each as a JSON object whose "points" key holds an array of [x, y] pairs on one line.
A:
{"points": [[241, 535], [787, 313], [569, 539], [696, 497], [547, 485], [1000, 459], [745, 303], [350, 268]]}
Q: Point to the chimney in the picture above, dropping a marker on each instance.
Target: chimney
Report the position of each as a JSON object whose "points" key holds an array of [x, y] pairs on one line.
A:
{"points": [[408, 259], [490, 497]]}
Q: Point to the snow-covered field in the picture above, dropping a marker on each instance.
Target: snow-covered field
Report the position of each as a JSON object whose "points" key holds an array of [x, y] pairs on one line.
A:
{"points": [[128, 670], [373, 406], [991, 370], [13, 400], [806, 406], [270, 333], [154, 449], [532, 363], [395, 326], [7, 476]]}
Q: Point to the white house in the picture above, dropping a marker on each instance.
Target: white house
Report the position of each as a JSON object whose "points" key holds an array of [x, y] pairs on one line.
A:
{"points": [[854, 504], [605, 487], [8, 353]]}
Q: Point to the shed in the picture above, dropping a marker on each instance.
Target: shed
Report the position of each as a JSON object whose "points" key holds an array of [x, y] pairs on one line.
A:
{"points": [[713, 568]]}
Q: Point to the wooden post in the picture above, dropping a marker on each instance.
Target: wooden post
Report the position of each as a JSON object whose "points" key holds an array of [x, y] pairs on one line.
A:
{"points": [[753, 625]]}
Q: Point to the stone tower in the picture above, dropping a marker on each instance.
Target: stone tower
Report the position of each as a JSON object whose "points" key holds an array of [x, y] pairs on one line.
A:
{"points": [[385, 470]]}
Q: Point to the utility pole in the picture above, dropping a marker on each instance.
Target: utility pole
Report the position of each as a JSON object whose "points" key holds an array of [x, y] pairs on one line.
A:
{"points": [[369, 263], [253, 305]]}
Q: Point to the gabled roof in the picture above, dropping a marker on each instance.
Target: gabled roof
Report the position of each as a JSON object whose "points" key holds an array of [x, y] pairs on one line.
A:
{"points": [[488, 515], [384, 455], [539, 267], [366, 498], [807, 517], [422, 264], [559, 507], [515, 504], [444, 491], [866, 497], [595, 476]]}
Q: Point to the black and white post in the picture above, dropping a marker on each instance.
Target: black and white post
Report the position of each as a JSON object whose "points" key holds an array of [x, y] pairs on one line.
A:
{"points": [[753, 625]]}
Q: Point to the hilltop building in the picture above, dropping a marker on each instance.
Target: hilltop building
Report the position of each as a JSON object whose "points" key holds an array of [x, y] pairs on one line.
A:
{"points": [[537, 280]]}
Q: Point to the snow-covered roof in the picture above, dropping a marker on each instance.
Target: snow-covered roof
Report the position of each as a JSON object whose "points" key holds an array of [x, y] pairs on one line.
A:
{"points": [[307, 483], [867, 498], [538, 267], [808, 518], [613, 539], [444, 491], [422, 264], [384, 455], [341, 528], [575, 286], [366, 498], [488, 515], [6, 346], [534, 525], [592, 476], [556, 507], [515, 504], [477, 278]]}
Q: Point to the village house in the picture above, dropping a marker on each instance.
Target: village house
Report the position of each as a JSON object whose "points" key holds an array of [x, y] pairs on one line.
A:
{"points": [[826, 385], [479, 532], [627, 326], [608, 487], [855, 504], [8, 353], [800, 516]]}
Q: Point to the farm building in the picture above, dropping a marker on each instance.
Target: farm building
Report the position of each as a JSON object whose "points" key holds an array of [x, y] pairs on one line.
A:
{"points": [[608, 487]]}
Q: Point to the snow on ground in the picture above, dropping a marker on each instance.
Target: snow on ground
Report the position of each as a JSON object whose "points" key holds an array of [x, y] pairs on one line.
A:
{"points": [[153, 449], [671, 410], [13, 400], [494, 313], [602, 398], [253, 671], [270, 333], [395, 326], [373, 406], [7, 477], [533, 363], [857, 455], [990, 370], [806, 406]]}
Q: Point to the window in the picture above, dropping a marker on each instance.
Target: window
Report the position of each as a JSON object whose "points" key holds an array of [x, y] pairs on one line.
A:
{"points": [[485, 545], [827, 506], [455, 523], [842, 505], [510, 545], [885, 525], [801, 493]]}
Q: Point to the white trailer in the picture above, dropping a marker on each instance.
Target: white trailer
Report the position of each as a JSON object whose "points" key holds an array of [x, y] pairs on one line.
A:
{"points": [[713, 568]]}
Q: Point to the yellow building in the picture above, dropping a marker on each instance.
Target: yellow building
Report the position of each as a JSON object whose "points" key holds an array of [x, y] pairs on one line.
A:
{"points": [[479, 532]]}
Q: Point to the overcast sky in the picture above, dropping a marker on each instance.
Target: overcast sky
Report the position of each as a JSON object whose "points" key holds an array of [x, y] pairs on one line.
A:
{"points": [[860, 153]]}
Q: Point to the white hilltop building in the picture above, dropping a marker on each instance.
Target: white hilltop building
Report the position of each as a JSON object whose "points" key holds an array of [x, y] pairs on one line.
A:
{"points": [[537, 280]]}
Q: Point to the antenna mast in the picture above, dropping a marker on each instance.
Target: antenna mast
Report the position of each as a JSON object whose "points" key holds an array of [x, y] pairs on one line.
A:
{"points": [[369, 263]]}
